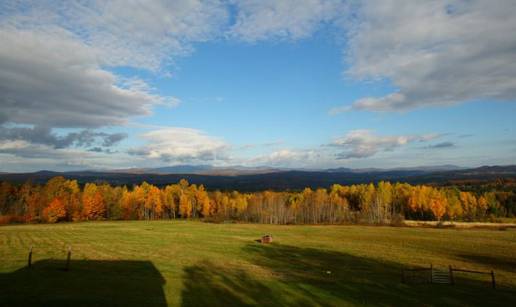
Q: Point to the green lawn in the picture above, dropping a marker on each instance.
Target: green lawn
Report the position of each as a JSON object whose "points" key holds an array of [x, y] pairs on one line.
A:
{"points": [[198, 264]]}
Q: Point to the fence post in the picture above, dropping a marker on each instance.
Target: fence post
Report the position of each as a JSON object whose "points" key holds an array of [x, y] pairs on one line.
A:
{"points": [[452, 280], [68, 258], [493, 279], [30, 257]]}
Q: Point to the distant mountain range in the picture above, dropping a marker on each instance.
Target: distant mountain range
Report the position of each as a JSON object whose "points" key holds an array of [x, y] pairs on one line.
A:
{"points": [[244, 170], [199, 169], [434, 168], [254, 179]]}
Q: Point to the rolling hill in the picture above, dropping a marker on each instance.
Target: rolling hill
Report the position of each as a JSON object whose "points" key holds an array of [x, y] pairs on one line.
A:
{"points": [[276, 179]]}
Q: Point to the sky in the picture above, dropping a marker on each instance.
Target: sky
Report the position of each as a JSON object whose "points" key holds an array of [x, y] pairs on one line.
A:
{"points": [[279, 83]]}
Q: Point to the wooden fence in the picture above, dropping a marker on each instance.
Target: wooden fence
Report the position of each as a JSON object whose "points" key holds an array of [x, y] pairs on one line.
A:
{"points": [[437, 275], [493, 280]]}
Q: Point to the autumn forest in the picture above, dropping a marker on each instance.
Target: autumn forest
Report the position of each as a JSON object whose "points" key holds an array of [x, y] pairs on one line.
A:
{"points": [[66, 200]]}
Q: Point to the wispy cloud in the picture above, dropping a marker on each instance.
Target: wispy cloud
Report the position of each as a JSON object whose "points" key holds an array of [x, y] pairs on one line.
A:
{"points": [[144, 34], [288, 19], [267, 144], [441, 145], [364, 143], [338, 110], [463, 136]]}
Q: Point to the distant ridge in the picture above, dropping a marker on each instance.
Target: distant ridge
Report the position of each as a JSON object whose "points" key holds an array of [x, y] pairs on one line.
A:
{"points": [[245, 170], [197, 169], [177, 169], [434, 168], [276, 179]]}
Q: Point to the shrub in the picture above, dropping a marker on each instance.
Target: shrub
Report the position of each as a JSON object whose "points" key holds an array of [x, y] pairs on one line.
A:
{"points": [[11, 219]]}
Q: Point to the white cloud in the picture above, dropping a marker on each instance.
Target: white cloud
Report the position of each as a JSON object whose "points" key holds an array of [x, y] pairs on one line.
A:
{"points": [[294, 158], [146, 33], [364, 143], [125, 33], [286, 155], [291, 19], [435, 52], [53, 80], [181, 145]]}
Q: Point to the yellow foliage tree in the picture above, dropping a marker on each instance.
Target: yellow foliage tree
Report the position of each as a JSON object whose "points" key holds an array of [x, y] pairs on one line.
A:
{"points": [[185, 206], [94, 207], [438, 205], [153, 202]]}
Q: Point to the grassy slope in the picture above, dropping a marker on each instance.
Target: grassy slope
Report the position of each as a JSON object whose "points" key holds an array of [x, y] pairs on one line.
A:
{"points": [[193, 263]]}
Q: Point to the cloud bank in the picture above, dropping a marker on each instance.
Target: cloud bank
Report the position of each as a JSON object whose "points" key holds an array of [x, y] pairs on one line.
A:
{"points": [[435, 52], [45, 136]]}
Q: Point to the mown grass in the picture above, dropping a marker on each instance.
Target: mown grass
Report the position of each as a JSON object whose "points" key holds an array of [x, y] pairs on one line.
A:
{"points": [[191, 263]]}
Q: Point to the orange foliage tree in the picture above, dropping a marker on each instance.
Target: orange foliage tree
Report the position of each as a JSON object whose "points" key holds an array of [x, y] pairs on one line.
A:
{"points": [[55, 212], [438, 204]]}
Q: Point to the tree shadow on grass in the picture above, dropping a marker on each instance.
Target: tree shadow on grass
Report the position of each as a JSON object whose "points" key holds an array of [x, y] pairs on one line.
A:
{"points": [[291, 276], [87, 283], [210, 284]]}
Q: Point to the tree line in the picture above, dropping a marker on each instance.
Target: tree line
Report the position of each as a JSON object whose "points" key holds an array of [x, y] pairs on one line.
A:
{"points": [[65, 200]]}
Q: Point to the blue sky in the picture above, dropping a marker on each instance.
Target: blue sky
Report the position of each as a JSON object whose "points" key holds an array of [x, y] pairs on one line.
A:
{"points": [[309, 84]]}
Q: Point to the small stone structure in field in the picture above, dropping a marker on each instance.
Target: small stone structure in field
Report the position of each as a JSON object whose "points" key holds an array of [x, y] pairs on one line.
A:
{"points": [[266, 239]]}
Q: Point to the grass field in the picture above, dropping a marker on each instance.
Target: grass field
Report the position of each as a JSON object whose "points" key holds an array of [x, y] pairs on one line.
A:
{"points": [[198, 264]]}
